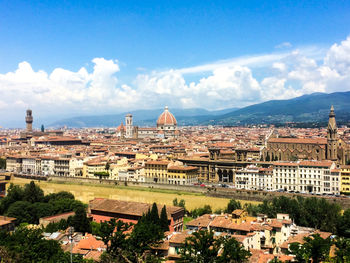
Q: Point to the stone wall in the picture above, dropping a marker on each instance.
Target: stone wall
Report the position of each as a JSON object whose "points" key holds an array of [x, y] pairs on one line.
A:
{"points": [[248, 195]]}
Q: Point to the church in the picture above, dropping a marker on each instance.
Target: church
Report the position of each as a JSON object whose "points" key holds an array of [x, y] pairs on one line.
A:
{"points": [[290, 149], [166, 127]]}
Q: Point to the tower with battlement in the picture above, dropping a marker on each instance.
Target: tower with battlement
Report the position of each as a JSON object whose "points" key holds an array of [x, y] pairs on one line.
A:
{"points": [[332, 137], [29, 121]]}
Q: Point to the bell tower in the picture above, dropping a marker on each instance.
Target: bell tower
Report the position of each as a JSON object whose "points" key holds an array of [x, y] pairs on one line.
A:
{"points": [[332, 137], [128, 126]]}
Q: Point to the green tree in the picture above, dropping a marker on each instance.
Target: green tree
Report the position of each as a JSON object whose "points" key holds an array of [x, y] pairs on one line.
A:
{"points": [[101, 175], [154, 215], [107, 167], [206, 209], [33, 247], [233, 252], [164, 219], [42, 128], [22, 211], [175, 202], [54, 227], [315, 248], [2, 163], [113, 234], [33, 193], [14, 193], [144, 235], [233, 205], [40, 210], [343, 227], [200, 247], [80, 222], [57, 196], [182, 203], [342, 252]]}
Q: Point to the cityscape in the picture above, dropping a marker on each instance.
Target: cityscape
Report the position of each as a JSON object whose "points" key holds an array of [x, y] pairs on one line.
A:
{"points": [[139, 156]]}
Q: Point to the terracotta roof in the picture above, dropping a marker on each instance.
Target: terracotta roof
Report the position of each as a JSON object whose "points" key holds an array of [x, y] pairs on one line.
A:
{"points": [[238, 212], [200, 222], [276, 223], [158, 162], [300, 238], [285, 164], [183, 168], [316, 163], [121, 127], [126, 207], [166, 118], [90, 243], [299, 140], [179, 238]]}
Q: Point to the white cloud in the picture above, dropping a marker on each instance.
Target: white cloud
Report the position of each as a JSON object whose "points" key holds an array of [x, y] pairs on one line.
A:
{"points": [[284, 45], [227, 83]]}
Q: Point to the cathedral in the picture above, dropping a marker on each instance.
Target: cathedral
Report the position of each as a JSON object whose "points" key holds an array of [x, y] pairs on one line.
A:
{"points": [[289, 149], [166, 128]]}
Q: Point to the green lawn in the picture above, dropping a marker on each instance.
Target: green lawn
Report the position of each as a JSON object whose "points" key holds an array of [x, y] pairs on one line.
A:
{"points": [[186, 220]]}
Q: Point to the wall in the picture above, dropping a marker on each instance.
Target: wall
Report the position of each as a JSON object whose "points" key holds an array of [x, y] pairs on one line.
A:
{"points": [[249, 195]]}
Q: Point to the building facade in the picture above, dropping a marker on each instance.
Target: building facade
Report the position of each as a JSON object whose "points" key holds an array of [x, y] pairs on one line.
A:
{"points": [[291, 149]]}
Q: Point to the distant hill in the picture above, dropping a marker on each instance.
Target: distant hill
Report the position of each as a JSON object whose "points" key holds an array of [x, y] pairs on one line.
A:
{"points": [[307, 108], [312, 108], [141, 117]]}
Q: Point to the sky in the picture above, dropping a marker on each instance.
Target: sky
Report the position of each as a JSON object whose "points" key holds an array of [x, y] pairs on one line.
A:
{"points": [[74, 58]]}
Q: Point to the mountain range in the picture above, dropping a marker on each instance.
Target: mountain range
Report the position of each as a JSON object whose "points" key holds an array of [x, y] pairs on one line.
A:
{"points": [[312, 108]]}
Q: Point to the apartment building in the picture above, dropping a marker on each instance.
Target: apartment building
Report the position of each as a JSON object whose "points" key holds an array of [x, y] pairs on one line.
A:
{"points": [[61, 166], [254, 178], [345, 179], [319, 177], [29, 165], [14, 163], [167, 172], [76, 166], [47, 166]]}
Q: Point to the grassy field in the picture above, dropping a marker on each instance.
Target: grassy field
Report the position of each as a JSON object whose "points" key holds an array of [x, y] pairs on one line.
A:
{"points": [[86, 192]]}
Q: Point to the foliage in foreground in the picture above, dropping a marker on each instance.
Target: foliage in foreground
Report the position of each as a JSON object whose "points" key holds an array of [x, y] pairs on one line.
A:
{"points": [[28, 203], [124, 245], [310, 212], [27, 245], [204, 247]]}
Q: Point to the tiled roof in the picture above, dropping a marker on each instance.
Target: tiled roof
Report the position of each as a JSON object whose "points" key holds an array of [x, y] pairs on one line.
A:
{"points": [[201, 222], [299, 140], [126, 207], [166, 118]]}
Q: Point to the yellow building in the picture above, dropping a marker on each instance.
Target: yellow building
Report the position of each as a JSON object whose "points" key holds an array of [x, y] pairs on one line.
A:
{"points": [[156, 171], [183, 175], [345, 179], [94, 166], [167, 172]]}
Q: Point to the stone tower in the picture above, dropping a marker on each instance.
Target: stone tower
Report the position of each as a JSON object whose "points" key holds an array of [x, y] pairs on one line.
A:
{"points": [[332, 137], [29, 121], [128, 126]]}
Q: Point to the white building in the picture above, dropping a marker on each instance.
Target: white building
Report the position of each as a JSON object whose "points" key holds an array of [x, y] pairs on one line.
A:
{"points": [[47, 166], [319, 177]]}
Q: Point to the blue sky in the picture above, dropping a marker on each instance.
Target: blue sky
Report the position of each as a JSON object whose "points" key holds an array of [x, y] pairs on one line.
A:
{"points": [[152, 53]]}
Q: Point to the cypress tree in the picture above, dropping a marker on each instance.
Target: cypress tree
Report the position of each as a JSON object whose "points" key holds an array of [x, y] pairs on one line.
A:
{"points": [[154, 215], [164, 220]]}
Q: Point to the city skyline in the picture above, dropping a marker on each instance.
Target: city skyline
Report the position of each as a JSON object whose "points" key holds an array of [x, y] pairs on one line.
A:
{"points": [[104, 58]]}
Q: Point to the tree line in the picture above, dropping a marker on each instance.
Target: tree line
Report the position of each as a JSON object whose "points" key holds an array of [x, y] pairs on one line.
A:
{"points": [[309, 212]]}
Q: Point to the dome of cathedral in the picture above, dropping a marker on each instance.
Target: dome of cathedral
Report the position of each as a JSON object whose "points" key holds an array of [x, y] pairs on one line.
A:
{"points": [[166, 118]]}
